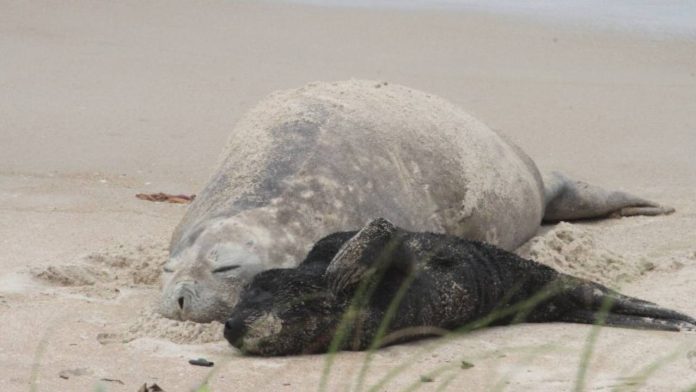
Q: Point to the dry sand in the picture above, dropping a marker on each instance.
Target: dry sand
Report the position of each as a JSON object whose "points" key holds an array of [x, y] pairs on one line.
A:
{"points": [[101, 101]]}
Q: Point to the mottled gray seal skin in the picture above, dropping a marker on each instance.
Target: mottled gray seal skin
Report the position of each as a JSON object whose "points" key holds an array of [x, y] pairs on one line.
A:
{"points": [[329, 157], [433, 282]]}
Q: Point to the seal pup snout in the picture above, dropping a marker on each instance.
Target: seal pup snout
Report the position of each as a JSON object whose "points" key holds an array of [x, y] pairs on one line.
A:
{"points": [[235, 331]]}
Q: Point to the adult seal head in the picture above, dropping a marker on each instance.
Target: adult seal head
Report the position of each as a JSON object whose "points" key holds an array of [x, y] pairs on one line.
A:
{"points": [[329, 157]]}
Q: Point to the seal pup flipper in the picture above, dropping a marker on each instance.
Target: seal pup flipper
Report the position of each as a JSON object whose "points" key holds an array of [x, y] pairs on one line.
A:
{"points": [[324, 250], [566, 199], [624, 321], [590, 299], [371, 249]]}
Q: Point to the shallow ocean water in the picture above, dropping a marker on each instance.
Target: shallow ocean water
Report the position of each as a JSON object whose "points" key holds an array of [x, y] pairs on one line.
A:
{"points": [[662, 17]]}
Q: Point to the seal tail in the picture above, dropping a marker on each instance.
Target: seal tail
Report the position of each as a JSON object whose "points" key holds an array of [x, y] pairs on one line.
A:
{"points": [[596, 304]]}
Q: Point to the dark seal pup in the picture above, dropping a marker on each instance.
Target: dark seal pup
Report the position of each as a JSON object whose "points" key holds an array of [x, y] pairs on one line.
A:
{"points": [[384, 285]]}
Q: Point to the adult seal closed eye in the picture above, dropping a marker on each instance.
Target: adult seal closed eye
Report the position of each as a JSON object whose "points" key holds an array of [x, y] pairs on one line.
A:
{"points": [[329, 157]]}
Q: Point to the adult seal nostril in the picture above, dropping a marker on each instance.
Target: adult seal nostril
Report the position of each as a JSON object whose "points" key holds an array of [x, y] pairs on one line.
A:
{"points": [[184, 296], [235, 330]]}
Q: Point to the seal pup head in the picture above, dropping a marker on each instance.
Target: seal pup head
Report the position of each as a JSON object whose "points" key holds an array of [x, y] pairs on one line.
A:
{"points": [[285, 312], [298, 311]]}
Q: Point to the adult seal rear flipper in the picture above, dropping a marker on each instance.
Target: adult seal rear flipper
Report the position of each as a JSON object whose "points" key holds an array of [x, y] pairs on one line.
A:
{"points": [[567, 199]]}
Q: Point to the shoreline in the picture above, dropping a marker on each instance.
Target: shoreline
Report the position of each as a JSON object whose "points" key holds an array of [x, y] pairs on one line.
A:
{"points": [[672, 21]]}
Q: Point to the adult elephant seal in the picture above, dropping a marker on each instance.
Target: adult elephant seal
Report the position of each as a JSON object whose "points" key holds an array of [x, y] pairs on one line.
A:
{"points": [[329, 157]]}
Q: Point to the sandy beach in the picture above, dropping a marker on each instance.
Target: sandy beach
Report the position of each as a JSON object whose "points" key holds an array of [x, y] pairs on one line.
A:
{"points": [[101, 101]]}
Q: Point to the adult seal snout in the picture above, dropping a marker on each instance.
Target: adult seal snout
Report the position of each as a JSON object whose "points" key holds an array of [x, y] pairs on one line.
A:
{"points": [[329, 157]]}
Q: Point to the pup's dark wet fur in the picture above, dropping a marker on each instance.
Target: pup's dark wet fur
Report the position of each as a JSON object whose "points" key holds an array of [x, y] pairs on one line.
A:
{"points": [[413, 285]]}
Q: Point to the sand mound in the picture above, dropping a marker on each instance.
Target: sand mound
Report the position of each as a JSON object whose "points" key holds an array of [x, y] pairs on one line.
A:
{"points": [[126, 266], [73, 275], [672, 262], [574, 251], [103, 274], [150, 324]]}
